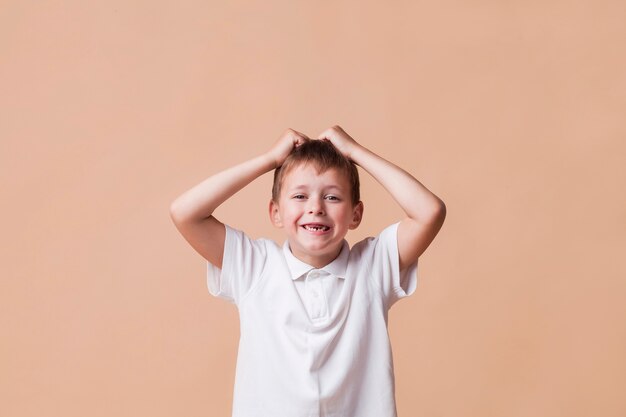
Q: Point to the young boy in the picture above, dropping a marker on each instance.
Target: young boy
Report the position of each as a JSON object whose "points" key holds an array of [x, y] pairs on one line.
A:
{"points": [[313, 312]]}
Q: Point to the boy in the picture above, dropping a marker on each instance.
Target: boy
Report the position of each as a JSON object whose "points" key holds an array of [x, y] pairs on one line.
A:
{"points": [[313, 313]]}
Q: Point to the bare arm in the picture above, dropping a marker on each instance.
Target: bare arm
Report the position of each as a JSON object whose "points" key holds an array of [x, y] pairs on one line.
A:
{"points": [[424, 210], [192, 212]]}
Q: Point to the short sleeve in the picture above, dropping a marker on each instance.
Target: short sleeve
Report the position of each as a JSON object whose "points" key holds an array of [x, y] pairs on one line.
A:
{"points": [[383, 263], [242, 265]]}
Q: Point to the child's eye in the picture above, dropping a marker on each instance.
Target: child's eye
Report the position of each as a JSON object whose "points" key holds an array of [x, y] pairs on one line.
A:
{"points": [[299, 196], [332, 198]]}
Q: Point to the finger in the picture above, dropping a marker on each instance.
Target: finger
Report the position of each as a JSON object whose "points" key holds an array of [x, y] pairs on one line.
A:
{"points": [[323, 135], [300, 140]]}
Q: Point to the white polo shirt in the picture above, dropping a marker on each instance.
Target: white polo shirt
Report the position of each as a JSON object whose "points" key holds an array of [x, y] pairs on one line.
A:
{"points": [[313, 342]]}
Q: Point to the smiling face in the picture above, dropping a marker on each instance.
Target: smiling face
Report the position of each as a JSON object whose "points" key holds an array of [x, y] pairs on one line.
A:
{"points": [[316, 211]]}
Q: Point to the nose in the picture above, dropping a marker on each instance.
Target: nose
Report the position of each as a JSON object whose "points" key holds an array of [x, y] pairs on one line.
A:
{"points": [[315, 206]]}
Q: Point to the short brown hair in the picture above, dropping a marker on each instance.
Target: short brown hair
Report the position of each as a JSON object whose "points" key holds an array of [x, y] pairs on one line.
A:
{"points": [[323, 155]]}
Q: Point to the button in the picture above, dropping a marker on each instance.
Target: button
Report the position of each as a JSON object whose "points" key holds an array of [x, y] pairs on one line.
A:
{"points": [[314, 294], [314, 274]]}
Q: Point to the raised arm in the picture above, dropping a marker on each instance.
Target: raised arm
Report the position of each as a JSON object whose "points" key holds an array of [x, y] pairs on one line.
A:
{"points": [[424, 210], [192, 212]]}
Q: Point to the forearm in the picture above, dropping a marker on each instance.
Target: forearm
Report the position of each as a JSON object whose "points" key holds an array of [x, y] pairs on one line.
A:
{"points": [[416, 200], [201, 201]]}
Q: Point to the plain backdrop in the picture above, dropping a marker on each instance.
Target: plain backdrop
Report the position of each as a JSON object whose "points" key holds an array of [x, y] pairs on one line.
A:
{"points": [[512, 112]]}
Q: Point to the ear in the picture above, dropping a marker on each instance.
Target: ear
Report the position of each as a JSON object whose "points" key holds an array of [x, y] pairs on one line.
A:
{"points": [[275, 214], [357, 216]]}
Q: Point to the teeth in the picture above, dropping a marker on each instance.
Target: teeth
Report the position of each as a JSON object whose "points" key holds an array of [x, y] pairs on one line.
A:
{"points": [[316, 228]]}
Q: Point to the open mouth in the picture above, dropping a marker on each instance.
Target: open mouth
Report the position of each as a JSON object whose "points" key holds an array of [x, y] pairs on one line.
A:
{"points": [[316, 227]]}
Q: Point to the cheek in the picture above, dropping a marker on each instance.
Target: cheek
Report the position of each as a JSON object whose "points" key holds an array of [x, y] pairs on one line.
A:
{"points": [[290, 213], [344, 214]]}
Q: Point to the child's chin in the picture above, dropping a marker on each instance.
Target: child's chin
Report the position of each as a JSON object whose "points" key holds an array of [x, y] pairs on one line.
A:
{"points": [[322, 249]]}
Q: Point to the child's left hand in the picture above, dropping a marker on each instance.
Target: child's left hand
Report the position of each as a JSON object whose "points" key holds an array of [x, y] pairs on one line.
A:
{"points": [[342, 141]]}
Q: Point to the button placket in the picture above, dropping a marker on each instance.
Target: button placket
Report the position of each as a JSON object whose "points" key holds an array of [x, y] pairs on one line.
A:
{"points": [[316, 300]]}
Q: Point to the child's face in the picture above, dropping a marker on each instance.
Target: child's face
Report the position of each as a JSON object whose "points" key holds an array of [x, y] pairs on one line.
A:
{"points": [[316, 212]]}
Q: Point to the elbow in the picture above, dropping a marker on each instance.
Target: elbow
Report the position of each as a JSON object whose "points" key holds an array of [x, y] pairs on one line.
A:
{"points": [[438, 214], [442, 209], [441, 214], [432, 216], [182, 213], [175, 212]]}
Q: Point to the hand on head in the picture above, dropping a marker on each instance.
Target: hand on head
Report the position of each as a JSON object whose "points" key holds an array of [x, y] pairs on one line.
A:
{"points": [[342, 141], [291, 139], [285, 144]]}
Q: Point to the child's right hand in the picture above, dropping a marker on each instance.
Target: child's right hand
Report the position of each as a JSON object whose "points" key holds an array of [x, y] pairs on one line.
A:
{"points": [[285, 144]]}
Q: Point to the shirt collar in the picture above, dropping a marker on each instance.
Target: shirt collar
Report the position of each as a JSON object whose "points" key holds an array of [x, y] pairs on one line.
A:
{"points": [[337, 267]]}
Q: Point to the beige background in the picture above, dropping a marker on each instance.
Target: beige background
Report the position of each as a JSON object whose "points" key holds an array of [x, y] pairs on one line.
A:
{"points": [[512, 112]]}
